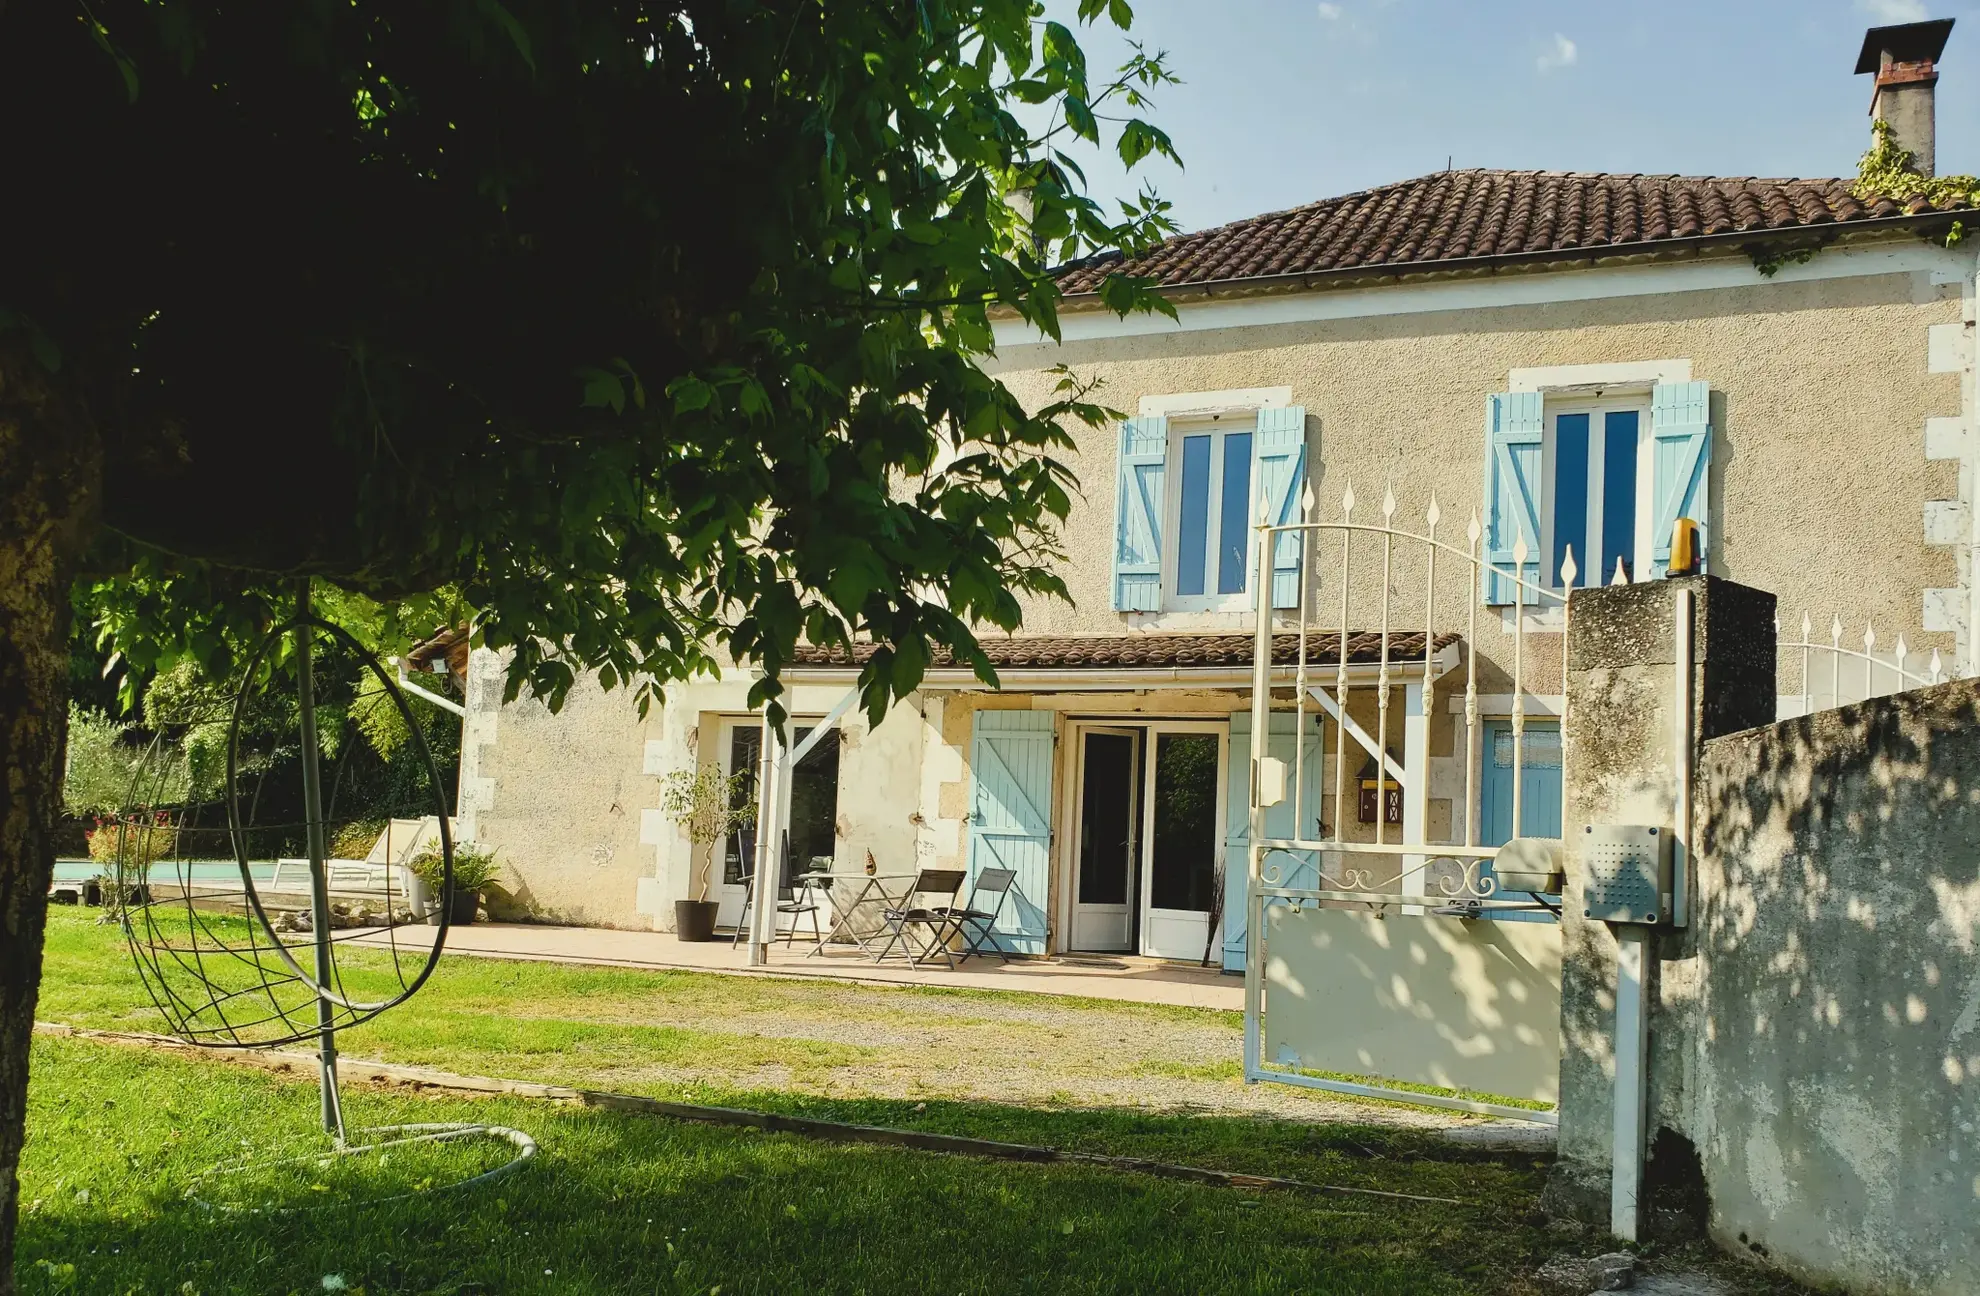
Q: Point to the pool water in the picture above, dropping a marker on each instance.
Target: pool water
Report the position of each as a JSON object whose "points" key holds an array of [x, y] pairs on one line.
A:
{"points": [[211, 872]]}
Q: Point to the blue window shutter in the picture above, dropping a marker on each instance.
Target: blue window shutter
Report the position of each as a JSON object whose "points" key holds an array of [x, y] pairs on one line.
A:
{"points": [[1010, 818], [1138, 515], [1681, 466], [1514, 425], [1300, 870], [1281, 454]]}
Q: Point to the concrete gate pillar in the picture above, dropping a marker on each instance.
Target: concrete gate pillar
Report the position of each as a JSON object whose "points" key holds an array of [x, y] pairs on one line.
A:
{"points": [[1621, 766]]}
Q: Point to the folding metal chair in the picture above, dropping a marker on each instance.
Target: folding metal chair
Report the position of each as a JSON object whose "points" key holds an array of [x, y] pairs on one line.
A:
{"points": [[906, 917], [791, 899], [990, 882]]}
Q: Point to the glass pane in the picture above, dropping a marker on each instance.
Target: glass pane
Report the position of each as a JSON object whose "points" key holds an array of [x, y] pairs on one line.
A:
{"points": [[814, 804], [1105, 819], [1571, 493], [1541, 748], [1184, 858], [745, 753], [1234, 513], [1619, 434], [1193, 528]]}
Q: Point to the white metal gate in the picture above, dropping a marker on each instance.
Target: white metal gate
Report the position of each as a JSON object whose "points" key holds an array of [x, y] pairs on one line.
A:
{"points": [[1403, 933]]}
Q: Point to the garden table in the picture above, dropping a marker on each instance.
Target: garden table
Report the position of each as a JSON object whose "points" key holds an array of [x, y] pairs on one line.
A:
{"points": [[874, 888]]}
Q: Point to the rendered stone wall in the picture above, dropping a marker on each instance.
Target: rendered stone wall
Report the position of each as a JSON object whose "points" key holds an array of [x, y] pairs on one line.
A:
{"points": [[1815, 1029], [1836, 1096], [1821, 394]]}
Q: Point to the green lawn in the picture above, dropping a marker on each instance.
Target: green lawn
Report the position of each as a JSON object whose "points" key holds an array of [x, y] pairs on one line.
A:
{"points": [[620, 1203], [626, 1203]]}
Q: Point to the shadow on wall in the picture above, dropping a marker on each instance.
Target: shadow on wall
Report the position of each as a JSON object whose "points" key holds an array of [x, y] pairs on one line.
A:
{"points": [[1837, 1099]]}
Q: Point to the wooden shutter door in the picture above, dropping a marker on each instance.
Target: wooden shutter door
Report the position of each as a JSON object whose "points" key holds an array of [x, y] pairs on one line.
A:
{"points": [[1514, 427], [1010, 820], [1301, 870], [1138, 490], [1281, 451], [1681, 467]]}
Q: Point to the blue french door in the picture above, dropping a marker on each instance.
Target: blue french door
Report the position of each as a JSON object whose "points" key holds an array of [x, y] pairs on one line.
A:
{"points": [[1539, 778]]}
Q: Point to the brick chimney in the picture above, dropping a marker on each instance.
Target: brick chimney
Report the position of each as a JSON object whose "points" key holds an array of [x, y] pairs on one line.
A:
{"points": [[1905, 59]]}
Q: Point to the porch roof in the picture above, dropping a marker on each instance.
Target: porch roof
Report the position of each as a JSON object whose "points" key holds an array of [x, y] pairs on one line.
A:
{"points": [[1160, 650]]}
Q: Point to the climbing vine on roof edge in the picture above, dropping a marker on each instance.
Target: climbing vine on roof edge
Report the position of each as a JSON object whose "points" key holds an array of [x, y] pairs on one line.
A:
{"points": [[1888, 171], [1885, 171]]}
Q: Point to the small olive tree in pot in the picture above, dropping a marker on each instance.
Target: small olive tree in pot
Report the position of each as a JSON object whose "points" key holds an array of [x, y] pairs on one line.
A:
{"points": [[710, 806]]}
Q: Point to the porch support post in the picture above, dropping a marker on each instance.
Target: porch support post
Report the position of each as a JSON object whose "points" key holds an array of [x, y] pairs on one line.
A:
{"points": [[772, 820], [1254, 854], [1416, 792]]}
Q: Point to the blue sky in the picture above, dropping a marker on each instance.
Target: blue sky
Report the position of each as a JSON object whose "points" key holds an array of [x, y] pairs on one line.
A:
{"points": [[1287, 101]]}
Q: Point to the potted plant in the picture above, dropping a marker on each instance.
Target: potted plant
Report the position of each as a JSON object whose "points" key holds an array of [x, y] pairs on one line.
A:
{"points": [[474, 868], [710, 806]]}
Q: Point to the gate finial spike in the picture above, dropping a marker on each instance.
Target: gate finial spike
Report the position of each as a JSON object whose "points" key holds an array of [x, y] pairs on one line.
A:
{"points": [[1388, 502], [1306, 503], [1473, 531], [1807, 626], [1937, 668], [1835, 630], [1435, 514], [1568, 570], [1519, 551], [1869, 638], [1901, 651], [1347, 500]]}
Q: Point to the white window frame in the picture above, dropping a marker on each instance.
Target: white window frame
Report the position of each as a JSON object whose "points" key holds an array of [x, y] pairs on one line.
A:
{"points": [[1596, 407], [1215, 426], [1231, 407]]}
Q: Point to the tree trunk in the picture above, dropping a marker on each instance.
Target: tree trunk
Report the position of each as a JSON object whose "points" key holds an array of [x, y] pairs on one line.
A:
{"points": [[50, 468]]}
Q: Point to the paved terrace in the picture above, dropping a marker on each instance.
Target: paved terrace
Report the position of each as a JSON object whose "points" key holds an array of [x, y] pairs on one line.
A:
{"points": [[1119, 977]]}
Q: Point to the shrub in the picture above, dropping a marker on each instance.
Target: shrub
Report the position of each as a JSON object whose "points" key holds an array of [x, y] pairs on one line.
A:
{"points": [[355, 839], [474, 867], [140, 839]]}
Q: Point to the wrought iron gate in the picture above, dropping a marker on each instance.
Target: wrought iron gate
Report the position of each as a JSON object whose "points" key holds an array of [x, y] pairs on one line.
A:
{"points": [[1476, 949]]}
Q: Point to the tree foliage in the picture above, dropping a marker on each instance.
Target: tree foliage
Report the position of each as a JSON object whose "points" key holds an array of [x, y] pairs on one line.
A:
{"points": [[651, 328]]}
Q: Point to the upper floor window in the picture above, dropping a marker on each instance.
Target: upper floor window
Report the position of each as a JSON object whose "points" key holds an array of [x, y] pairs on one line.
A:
{"points": [[1210, 511], [1191, 490], [1601, 474], [1596, 488]]}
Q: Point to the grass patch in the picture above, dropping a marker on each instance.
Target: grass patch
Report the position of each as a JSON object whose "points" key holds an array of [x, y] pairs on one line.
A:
{"points": [[624, 1203], [857, 1053]]}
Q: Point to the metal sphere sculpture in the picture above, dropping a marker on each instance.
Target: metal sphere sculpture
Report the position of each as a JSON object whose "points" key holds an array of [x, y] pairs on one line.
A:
{"points": [[239, 950]]}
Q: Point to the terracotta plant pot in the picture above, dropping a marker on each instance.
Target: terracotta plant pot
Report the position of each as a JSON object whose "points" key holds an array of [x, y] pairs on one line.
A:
{"points": [[694, 920]]}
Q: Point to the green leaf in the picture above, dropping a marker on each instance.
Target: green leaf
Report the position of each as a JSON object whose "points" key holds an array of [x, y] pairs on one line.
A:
{"points": [[1080, 117], [499, 12], [690, 393], [603, 388]]}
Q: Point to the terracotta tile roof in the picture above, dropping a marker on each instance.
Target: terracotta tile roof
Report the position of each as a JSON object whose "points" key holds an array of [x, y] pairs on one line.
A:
{"points": [[446, 643], [1104, 652], [1460, 215]]}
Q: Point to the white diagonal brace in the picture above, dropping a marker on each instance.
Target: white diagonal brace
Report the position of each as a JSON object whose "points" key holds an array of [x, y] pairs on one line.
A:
{"points": [[1360, 735], [822, 728]]}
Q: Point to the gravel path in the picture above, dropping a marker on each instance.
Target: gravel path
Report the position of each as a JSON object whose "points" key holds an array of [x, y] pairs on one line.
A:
{"points": [[1032, 1050]]}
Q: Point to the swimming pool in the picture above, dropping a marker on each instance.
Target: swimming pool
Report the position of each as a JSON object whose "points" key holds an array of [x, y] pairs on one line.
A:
{"points": [[209, 872]]}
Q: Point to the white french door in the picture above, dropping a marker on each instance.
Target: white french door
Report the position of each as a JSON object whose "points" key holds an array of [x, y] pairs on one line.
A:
{"points": [[1106, 833], [1183, 791]]}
